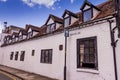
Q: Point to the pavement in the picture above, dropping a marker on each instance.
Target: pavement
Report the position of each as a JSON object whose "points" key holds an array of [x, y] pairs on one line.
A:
{"points": [[23, 74]]}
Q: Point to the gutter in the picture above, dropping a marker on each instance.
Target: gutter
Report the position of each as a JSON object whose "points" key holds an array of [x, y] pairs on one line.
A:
{"points": [[113, 44]]}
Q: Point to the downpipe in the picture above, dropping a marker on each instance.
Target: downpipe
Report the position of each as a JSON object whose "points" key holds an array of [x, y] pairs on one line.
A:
{"points": [[113, 44]]}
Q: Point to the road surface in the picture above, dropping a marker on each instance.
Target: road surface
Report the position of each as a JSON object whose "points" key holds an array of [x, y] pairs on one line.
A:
{"points": [[4, 76]]}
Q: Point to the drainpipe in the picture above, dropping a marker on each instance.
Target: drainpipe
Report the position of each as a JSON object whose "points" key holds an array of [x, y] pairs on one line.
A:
{"points": [[113, 44]]}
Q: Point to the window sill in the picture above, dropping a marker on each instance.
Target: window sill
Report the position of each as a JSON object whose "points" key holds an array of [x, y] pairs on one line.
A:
{"points": [[88, 71]]}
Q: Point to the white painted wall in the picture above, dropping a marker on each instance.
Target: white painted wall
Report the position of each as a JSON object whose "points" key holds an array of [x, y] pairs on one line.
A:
{"points": [[34, 33], [32, 63], [57, 25], [73, 19], [95, 12], [86, 7], [105, 56], [50, 21], [66, 15], [55, 70]]}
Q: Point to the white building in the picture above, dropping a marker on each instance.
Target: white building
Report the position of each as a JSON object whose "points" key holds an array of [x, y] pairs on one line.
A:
{"points": [[90, 45]]}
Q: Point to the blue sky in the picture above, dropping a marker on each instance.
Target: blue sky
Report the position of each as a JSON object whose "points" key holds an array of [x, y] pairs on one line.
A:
{"points": [[36, 12]]}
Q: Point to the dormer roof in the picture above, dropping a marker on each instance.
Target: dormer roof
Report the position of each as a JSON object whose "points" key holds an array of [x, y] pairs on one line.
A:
{"points": [[33, 28], [23, 31], [54, 18], [16, 34], [69, 13], [86, 2], [8, 36]]}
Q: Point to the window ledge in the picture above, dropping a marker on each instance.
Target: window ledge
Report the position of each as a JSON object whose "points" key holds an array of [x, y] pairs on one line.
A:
{"points": [[88, 71]]}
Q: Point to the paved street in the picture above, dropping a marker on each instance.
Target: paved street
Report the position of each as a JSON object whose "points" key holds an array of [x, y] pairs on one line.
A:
{"points": [[22, 75], [4, 76]]}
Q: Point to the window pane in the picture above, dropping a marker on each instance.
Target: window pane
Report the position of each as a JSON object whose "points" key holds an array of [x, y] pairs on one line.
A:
{"points": [[11, 55], [87, 15], [66, 22], [48, 28], [52, 27], [46, 56], [87, 54]]}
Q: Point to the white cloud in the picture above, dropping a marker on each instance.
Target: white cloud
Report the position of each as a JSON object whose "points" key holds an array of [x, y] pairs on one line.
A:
{"points": [[47, 3], [3, 0], [71, 1]]}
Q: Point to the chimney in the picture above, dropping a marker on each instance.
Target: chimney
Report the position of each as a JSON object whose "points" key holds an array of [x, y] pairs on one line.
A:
{"points": [[4, 27]]}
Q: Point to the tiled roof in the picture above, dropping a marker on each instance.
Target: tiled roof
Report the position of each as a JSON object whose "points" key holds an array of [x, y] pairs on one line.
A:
{"points": [[34, 28], [88, 3], [70, 13], [16, 34], [8, 36], [106, 9], [24, 32], [55, 18]]}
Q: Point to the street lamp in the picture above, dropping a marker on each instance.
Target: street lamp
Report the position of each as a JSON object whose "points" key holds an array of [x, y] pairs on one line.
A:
{"points": [[66, 34]]}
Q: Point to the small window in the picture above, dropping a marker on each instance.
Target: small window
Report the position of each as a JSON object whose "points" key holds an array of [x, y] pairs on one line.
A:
{"points": [[46, 56], [11, 55], [33, 52], [22, 56], [67, 22], [20, 37], [16, 55], [87, 15], [51, 27], [87, 53], [13, 39], [5, 41], [29, 35]]}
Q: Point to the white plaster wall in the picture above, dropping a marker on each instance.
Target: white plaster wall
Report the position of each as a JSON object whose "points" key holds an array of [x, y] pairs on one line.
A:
{"points": [[117, 53], [32, 63], [2, 35], [57, 25], [50, 21], [105, 55], [34, 33], [118, 58], [55, 70], [73, 19], [24, 36], [95, 12], [66, 15], [86, 7]]}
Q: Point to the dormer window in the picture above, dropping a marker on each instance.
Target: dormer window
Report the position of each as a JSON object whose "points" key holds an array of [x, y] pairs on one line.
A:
{"points": [[29, 35], [51, 27], [89, 11], [69, 18], [53, 23], [5, 40], [13, 39], [87, 15], [67, 22], [20, 37]]}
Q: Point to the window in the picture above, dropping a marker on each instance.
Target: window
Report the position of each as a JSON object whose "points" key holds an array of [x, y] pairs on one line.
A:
{"points": [[87, 15], [20, 37], [87, 53], [16, 55], [29, 35], [51, 27], [5, 41], [46, 56], [22, 55], [33, 52], [67, 22], [11, 55], [13, 38]]}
